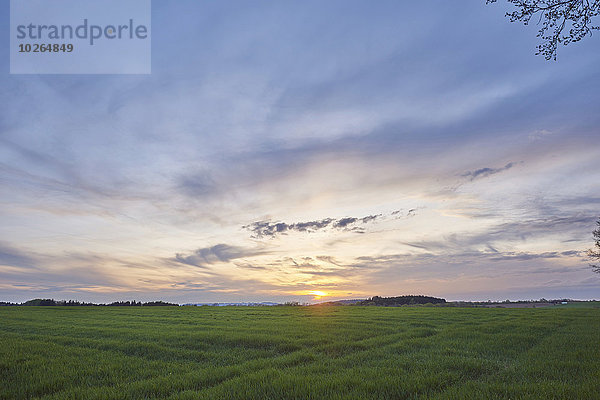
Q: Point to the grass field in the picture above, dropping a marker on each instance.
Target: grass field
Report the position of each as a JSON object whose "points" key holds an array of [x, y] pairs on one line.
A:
{"points": [[299, 353]]}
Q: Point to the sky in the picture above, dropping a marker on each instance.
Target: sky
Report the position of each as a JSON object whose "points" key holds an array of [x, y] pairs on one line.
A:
{"points": [[282, 148]]}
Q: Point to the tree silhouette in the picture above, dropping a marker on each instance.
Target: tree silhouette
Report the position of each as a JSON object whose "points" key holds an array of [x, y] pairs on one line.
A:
{"points": [[562, 21], [594, 253], [400, 301]]}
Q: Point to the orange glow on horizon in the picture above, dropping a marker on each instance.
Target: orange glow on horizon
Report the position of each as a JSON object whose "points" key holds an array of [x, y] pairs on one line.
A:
{"points": [[317, 293]]}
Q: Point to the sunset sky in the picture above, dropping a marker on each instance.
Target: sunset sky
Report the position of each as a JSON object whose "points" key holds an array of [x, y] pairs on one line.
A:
{"points": [[283, 149]]}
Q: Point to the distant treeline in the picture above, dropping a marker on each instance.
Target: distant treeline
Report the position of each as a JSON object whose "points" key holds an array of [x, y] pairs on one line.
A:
{"points": [[52, 302], [400, 301], [489, 302], [417, 300], [426, 300]]}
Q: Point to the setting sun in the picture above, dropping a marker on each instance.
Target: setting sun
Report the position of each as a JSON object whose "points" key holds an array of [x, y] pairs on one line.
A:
{"points": [[317, 293]]}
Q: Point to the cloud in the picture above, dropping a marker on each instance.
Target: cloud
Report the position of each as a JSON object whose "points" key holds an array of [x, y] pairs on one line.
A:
{"points": [[523, 256], [329, 259], [485, 172], [215, 254], [566, 228], [539, 134], [516, 255], [342, 223], [266, 228], [252, 267], [71, 274], [14, 257], [572, 253], [563, 225], [198, 184]]}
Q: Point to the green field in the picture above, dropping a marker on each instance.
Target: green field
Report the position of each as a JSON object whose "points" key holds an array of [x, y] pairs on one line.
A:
{"points": [[299, 353]]}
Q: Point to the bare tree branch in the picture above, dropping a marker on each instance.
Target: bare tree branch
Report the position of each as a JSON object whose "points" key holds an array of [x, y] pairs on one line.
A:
{"points": [[562, 21], [594, 253]]}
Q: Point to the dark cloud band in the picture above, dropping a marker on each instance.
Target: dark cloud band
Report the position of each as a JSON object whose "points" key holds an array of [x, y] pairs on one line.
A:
{"points": [[271, 229]]}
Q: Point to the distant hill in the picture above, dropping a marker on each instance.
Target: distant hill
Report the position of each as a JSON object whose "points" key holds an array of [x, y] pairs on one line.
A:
{"points": [[400, 301]]}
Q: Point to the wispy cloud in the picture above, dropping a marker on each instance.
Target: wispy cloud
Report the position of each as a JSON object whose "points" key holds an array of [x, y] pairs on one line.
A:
{"points": [[206, 256], [522, 256], [539, 134], [15, 257], [485, 172]]}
